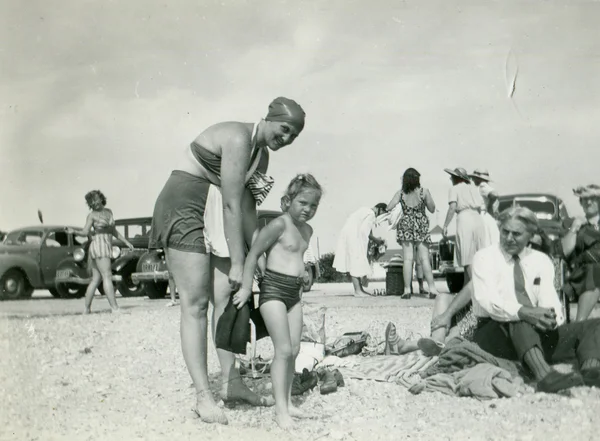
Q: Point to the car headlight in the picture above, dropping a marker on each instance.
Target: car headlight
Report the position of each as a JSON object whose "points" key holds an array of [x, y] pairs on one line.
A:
{"points": [[78, 255], [552, 236], [116, 252]]}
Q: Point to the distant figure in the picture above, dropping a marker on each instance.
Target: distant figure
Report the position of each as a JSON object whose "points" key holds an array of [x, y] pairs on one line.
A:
{"points": [[413, 228], [101, 224], [285, 241], [351, 253], [489, 209]]}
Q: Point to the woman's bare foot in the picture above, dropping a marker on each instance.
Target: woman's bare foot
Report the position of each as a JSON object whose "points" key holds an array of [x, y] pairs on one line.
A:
{"points": [[87, 311], [362, 293], [168, 305], [235, 391], [284, 421], [208, 411]]}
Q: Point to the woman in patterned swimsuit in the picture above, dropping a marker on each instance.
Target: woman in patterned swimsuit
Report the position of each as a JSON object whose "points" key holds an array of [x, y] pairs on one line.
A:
{"points": [[101, 224], [413, 228]]}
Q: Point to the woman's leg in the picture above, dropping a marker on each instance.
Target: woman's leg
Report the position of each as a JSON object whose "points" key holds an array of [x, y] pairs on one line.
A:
{"points": [[423, 251], [586, 303], [91, 289], [103, 265], [407, 252], [275, 316], [233, 387], [191, 272], [172, 288], [442, 301]]}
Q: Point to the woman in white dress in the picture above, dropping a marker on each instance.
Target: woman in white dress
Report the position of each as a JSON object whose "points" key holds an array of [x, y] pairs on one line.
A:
{"points": [[481, 179]]}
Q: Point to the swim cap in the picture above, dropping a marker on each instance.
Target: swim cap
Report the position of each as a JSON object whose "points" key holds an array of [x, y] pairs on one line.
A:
{"points": [[285, 110]]}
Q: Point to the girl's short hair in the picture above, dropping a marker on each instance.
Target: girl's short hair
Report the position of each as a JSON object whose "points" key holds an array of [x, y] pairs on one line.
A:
{"points": [[89, 197], [410, 180], [300, 182]]}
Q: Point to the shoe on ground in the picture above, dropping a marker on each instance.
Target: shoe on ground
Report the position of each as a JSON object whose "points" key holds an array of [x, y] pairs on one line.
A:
{"points": [[556, 381]]}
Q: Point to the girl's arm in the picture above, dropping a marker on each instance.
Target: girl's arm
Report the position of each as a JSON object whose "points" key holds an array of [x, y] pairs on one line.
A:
{"points": [[85, 231], [395, 200], [429, 203], [266, 238], [122, 238], [449, 216]]}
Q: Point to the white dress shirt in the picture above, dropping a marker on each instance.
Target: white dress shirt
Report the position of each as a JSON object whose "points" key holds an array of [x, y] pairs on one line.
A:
{"points": [[494, 284]]}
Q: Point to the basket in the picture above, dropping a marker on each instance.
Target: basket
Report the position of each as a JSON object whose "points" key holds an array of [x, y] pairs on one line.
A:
{"points": [[394, 280]]}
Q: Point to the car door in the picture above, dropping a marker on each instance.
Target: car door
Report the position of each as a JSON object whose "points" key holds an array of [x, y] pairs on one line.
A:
{"points": [[56, 246]]}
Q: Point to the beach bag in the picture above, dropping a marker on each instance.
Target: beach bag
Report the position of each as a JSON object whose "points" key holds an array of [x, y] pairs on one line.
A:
{"points": [[350, 343]]}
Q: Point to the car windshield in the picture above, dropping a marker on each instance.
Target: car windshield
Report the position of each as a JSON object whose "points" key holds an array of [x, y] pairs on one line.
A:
{"points": [[543, 208]]}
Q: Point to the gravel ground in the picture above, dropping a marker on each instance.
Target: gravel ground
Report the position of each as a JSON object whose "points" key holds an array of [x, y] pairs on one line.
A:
{"points": [[122, 377]]}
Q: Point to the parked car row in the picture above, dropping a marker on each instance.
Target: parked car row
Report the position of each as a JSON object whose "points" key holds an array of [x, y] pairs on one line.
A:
{"points": [[549, 209], [49, 257]]}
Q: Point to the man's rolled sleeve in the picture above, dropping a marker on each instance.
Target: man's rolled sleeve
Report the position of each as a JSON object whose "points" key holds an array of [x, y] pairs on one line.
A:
{"points": [[486, 291]]}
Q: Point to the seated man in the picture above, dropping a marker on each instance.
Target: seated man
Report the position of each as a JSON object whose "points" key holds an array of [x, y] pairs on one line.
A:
{"points": [[519, 312]]}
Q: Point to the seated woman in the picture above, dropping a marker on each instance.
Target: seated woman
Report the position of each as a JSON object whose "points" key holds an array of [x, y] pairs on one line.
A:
{"points": [[580, 247]]}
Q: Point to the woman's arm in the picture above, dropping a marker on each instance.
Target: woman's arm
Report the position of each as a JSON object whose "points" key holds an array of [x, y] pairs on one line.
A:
{"points": [[235, 156], [429, 202], [569, 240], [122, 238], [449, 216], [266, 238], [85, 231], [395, 200]]}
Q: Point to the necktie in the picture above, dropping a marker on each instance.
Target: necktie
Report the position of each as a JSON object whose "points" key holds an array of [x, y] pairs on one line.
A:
{"points": [[520, 292]]}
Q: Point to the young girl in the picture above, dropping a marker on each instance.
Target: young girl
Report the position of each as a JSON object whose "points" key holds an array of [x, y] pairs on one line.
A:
{"points": [[285, 240]]}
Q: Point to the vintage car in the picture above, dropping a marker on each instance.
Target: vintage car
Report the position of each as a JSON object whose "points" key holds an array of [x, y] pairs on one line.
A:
{"points": [[153, 275], [30, 257], [73, 276], [549, 209]]}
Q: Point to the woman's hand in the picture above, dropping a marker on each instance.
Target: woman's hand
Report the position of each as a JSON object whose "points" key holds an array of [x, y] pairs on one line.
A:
{"points": [[236, 274], [441, 321], [578, 222], [129, 245], [241, 297], [445, 232]]}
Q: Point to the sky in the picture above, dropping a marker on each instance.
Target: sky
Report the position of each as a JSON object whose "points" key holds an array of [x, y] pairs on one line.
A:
{"points": [[106, 94]]}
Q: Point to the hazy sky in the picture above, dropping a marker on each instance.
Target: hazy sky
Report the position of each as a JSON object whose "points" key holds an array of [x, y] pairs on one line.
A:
{"points": [[105, 94]]}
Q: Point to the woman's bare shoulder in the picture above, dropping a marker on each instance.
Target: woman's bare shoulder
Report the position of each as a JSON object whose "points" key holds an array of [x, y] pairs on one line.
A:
{"points": [[220, 133]]}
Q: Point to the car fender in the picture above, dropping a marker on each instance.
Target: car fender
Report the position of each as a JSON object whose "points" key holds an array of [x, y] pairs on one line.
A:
{"points": [[78, 267], [25, 263], [121, 262]]}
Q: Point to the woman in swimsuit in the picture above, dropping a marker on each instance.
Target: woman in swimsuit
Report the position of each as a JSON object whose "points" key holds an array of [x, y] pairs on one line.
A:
{"points": [[225, 155], [101, 224]]}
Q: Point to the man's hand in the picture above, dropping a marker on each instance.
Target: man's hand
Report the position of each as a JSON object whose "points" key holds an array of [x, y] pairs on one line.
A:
{"points": [[441, 321], [236, 274], [241, 297], [543, 319]]}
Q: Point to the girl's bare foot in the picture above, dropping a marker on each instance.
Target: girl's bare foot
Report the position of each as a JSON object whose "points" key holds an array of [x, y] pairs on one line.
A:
{"points": [[207, 410], [284, 421]]}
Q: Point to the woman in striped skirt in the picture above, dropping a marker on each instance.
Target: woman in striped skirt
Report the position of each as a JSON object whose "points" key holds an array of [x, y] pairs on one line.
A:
{"points": [[101, 225]]}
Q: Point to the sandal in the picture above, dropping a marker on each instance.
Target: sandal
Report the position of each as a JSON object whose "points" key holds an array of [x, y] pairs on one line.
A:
{"points": [[430, 347]]}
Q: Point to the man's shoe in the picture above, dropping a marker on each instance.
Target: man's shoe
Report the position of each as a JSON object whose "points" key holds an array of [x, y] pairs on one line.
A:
{"points": [[339, 379], [555, 382], [591, 377]]}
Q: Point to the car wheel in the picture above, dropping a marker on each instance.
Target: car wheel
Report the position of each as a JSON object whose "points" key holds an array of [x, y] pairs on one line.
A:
{"points": [[101, 288], [13, 285], [155, 290], [67, 290], [126, 286], [455, 281], [54, 292], [308, 279]]}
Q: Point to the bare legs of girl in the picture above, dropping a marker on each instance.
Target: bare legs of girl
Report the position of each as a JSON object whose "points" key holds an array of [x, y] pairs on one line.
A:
{"points": [[285, 329], [101, 273]]}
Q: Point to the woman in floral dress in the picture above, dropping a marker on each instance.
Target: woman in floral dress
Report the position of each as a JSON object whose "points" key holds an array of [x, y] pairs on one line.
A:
{"points": [[413, 228]]}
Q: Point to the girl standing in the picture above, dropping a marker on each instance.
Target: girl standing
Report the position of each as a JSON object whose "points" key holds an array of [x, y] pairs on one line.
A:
{"points": [[284, 240]]}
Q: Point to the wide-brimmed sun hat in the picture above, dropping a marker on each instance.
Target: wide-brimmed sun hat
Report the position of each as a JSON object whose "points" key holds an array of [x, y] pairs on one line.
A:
{"points": [[459, 172], [481, 173], [587, 191]]}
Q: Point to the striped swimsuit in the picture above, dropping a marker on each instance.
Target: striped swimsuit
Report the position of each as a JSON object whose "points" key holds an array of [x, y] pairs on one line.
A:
{"points": [[104, 225]]}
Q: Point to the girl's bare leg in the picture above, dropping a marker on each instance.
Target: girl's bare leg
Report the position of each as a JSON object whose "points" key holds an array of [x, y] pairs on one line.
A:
{"points": [[233, 387], [91, 289], [407, 269], [423, 251], [295, 325], [275, 316], [103, 265], [191, 273]]}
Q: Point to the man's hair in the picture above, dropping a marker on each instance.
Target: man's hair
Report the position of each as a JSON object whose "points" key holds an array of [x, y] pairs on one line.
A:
{"points": [[522, 214], [381, 207]]}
